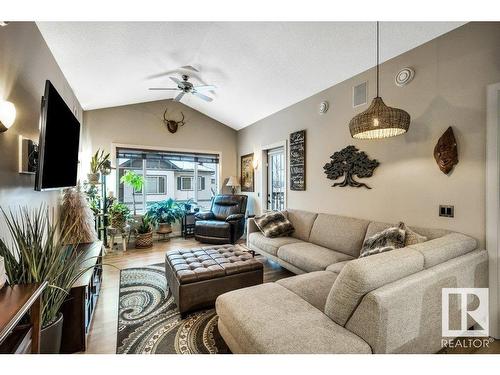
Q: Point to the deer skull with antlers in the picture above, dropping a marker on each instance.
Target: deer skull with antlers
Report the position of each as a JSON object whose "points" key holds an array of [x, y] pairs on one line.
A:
{"points": [[172, 125]]}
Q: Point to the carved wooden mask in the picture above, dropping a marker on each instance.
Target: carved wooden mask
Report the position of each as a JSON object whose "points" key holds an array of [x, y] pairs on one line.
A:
{"points": [[445, 152]]}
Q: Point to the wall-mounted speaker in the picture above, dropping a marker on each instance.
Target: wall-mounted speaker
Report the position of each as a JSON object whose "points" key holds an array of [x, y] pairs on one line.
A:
{"points": [[28, 155]]}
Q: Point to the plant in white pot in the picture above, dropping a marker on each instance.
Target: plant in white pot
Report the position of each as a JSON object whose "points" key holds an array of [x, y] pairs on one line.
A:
{"points": [[144, 236], [99, 163], [165, 213], [37, 253]]}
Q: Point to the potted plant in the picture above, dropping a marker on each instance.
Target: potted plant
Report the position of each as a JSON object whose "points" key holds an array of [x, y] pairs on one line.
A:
{"points": [[165, 213], [118, 215], [144, 237], [93, 198], [99, 162], [188, 204], [135, 181], [37, 253]]}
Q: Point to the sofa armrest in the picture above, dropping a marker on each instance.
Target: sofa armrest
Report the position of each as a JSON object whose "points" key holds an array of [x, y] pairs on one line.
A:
{"points": [[251, 228], [235, 217], [207, 215]]}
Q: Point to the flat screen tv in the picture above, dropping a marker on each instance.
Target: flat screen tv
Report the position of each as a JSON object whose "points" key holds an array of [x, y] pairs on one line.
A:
{"points": [[57, 165]]}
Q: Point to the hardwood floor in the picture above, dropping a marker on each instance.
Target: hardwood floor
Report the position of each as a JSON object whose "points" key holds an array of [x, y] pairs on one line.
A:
{"points": [[102, 336]]}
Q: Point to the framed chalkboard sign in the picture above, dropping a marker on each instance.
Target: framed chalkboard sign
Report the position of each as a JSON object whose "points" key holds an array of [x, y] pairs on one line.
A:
{"points": [[298, 160]]}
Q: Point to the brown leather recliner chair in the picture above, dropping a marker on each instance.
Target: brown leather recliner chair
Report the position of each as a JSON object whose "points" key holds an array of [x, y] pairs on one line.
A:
{"points": [[224, 223]]}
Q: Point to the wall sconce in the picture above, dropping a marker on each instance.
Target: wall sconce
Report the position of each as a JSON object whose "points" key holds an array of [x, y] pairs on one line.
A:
{"points": [[7, 115]]}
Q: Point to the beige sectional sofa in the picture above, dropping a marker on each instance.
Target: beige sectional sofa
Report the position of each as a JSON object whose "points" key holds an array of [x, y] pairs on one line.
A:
{"points": [[384, 303]]}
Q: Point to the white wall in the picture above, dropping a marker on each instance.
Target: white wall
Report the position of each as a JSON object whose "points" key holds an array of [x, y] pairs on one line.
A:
{"points": [[452, 73], [25, 64], [142, 125]]}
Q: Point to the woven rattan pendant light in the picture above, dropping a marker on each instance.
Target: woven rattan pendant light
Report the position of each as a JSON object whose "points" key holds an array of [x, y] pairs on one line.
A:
{"points": [[379, 120]]}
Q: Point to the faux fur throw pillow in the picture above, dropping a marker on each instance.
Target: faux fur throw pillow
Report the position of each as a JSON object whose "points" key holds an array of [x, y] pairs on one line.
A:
{"points": [[274, 224], [387, 240], [412, 237]]}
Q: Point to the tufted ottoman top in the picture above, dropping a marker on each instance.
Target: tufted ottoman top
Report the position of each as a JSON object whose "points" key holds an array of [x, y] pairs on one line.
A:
{"points": [[192, 265]]}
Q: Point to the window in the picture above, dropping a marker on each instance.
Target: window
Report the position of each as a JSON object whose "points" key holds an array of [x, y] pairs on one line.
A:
{"points": [[177, 175], [156, 184], [186, 183]]}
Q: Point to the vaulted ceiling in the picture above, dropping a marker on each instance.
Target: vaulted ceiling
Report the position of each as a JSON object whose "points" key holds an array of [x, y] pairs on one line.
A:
{"points": [[258, 67]]}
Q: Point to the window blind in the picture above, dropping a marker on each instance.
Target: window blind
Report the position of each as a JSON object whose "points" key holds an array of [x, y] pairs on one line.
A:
{"points": [[139, 154]]}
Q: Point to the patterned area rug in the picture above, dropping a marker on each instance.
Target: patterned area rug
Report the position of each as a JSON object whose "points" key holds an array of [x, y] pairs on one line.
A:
{"points": [[149, 322]]}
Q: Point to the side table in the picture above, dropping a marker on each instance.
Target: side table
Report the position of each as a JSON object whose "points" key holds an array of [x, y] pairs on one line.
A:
{"points": [[188, 221], [123, 232], [15, 302]]}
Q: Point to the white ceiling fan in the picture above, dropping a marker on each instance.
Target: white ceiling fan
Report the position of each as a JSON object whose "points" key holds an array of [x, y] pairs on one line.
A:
{"points": [[186, 87]]}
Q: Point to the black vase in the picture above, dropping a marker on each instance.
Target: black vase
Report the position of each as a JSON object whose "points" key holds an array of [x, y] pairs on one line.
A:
{"points": [[50, 337]]}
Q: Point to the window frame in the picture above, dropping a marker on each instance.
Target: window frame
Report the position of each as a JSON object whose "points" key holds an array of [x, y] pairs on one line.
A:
{"points": [[215, 166]]}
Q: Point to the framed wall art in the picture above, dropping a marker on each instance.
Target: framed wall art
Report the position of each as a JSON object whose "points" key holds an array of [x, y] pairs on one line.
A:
{"points": [[298, 160], [247, 173]]}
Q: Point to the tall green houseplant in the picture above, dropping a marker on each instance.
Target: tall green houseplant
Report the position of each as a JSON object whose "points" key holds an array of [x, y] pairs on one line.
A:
{"points": [[37, 253], [135, 181]]}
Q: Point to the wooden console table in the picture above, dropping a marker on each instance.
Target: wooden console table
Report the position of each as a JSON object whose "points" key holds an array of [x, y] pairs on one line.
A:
{"points": [[18, 335]]}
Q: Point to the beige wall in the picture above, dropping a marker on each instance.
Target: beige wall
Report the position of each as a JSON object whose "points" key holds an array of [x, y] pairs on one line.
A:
{"points": [[25, 64], [449, 89], [141, 124]]}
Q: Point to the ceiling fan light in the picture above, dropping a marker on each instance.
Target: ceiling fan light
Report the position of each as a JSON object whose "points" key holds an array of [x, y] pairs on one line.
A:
{"points": [[379, 121]]}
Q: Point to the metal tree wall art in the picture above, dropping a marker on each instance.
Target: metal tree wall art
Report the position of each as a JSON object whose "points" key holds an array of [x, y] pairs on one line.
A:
{"points": [[350, 162]]}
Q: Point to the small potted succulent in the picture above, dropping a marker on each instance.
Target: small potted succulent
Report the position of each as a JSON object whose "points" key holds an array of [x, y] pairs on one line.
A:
{"points": [[99, 163], [165, 213], [118, 215], [144, 237]]}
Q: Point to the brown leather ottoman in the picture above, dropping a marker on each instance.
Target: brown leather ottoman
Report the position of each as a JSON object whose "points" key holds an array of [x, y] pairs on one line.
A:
{"points": [[197, 277]]}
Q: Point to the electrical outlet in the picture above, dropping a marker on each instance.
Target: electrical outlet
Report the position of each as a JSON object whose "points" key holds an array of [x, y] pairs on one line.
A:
{"points": [[446, 211]]}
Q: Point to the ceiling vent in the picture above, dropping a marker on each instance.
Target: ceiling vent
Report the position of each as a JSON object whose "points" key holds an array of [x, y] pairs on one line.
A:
{"points": [[359, 94]]}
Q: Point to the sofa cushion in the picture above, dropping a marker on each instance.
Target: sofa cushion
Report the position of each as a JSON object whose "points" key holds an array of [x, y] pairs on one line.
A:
{"points": [[337, 267], [339, 233], [312, 287], [444, 248], [302, 222], [269, 318], [387, 240], [310, 257], [274, 224], [377, 226], [258, 241], [363, 275]]}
